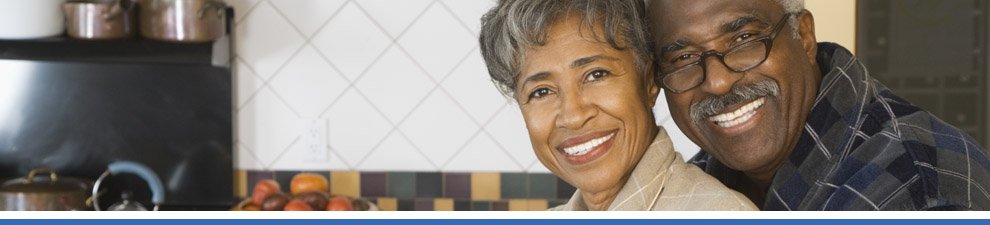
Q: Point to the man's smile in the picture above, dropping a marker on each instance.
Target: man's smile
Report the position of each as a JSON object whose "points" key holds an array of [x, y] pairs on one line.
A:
{"points": [[741, 114]]}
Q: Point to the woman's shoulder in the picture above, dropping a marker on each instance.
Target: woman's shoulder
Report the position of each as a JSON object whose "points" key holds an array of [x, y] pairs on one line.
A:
{"points": [[690, 188]]}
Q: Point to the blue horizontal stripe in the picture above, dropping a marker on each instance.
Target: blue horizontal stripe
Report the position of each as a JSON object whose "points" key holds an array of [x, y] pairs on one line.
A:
{"points": [[488, 222]]}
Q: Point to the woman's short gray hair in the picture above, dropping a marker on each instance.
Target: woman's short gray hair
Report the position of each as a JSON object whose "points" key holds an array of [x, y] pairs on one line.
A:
{"points": [[512, 26]]}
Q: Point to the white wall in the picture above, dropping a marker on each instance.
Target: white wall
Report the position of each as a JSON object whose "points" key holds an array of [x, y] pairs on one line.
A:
{"points": [[835, 21], [400, 84]]}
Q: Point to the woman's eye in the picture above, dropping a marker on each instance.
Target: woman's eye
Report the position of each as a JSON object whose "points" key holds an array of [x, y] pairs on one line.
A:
{"points": [[595, 75], [539, 93]]}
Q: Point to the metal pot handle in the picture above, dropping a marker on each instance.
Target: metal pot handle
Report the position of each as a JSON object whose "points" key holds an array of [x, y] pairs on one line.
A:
{"points": [[51, 174], [219, 6], [119, 8], [116, 168]]}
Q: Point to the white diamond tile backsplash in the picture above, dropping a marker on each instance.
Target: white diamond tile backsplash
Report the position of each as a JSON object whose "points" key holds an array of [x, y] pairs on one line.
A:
{"points": [[437, 41], [439, 126], [308, 15], [308, 83], [401, 85], [351, 41]]}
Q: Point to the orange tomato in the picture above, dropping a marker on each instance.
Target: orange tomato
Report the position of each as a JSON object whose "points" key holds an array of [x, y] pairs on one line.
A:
{"points": [[306, 182]]}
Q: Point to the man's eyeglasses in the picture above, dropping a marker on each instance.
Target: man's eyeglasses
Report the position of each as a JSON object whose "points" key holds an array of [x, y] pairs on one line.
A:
{"points": [[686, 75]]}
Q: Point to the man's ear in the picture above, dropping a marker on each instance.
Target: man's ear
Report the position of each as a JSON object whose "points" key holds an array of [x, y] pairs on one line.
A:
{"points": [[806, 31], [652, 88]]}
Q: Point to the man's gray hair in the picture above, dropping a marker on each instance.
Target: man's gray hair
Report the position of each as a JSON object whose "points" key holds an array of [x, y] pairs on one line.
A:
{"points": [[513, 26], [793, 7]]}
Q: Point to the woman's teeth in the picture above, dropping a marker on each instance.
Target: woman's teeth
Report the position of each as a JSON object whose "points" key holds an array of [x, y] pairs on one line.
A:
{"points": [[742, 114], [586, 147]]}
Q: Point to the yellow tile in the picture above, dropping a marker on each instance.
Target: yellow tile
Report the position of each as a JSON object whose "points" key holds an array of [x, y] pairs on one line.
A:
{"points": [[537, 205], [518, 205], [240, 183], [486, 186], [443, 204], [347, 183], [388, 204]]}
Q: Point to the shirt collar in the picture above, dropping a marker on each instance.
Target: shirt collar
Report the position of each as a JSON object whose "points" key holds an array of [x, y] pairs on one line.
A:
{"points": [[841, 97], [643, 188]]}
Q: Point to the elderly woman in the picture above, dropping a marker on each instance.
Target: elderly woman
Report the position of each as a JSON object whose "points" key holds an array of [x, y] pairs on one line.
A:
{"points": [[581, 72]]}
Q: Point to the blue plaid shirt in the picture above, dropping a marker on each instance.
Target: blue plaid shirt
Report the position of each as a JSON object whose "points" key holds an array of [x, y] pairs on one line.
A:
{"points": [[864, 148]]}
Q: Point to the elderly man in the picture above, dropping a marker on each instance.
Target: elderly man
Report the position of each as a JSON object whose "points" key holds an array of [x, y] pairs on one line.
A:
{"points": [[799, 125]]}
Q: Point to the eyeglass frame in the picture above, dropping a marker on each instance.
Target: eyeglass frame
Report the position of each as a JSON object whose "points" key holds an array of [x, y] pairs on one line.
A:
{"points": [[767, 42]]}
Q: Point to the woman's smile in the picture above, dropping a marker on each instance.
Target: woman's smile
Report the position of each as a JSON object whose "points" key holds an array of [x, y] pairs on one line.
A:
{"points": [[586, 148]]}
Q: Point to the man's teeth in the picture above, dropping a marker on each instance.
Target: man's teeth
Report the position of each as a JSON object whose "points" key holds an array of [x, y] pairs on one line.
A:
{"points": [[742, 114], [586, 147]]}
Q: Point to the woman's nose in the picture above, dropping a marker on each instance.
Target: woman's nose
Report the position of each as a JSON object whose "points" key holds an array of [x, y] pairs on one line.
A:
{"points": [[575, 111]]}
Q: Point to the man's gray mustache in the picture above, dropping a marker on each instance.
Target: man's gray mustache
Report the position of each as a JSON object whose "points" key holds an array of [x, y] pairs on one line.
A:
{"points": [[739, 94]]}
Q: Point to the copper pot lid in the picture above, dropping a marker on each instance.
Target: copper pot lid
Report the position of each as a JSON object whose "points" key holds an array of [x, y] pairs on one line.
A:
{"points": [[44, 184]]}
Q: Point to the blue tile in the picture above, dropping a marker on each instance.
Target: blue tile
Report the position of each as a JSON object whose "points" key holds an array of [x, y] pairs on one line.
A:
{"points": [[564, 190], [429, 185], [543, 186], [462, 205], [481, 206], [401, 185], [514, 185]]}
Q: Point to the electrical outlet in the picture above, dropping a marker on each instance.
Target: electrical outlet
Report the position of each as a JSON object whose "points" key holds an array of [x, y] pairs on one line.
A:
{"points": [[314, 139]]}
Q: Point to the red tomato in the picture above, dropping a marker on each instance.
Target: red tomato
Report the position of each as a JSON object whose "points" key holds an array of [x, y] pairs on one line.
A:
{"points": [[297, 205], [263, 189], [339, 203]]}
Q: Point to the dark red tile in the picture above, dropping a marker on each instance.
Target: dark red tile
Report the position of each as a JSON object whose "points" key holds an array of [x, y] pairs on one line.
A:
{"points": [[457, 185], [424, 204], [500, 206], [374, 184]]}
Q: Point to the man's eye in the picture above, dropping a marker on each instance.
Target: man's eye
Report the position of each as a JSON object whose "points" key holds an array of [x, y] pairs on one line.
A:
{"points": [[683, 59], [595, 75], [539, 93], [744, 37]]}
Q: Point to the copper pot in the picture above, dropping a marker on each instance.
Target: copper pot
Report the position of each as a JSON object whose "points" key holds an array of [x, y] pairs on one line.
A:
{"points": [[41, 193], [99, 19], [182, 20]]}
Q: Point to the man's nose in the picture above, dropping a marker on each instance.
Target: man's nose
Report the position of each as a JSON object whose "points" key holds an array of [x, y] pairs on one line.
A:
{"points": [[719, 79], [575, 111]]}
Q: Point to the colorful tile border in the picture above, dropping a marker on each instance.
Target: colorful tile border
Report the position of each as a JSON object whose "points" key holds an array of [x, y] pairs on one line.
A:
{"points": [[429, 191]]}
